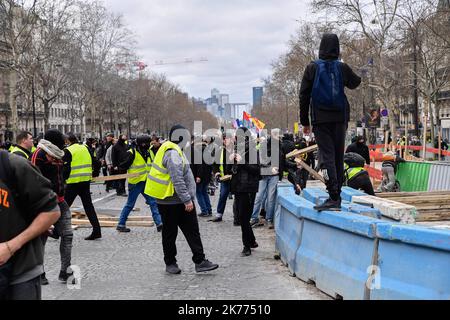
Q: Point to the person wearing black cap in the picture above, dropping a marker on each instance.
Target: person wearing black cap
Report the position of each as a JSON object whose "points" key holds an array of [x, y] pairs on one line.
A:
{"points": [[172, 184], [48, 158], [139, 161], [322, 97]]}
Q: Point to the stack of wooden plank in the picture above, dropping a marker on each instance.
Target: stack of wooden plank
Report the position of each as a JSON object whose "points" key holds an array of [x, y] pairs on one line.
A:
{"points": [[79, 219], [431, 206]]}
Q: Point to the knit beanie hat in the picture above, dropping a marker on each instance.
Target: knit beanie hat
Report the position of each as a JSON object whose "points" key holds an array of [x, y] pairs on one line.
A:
{"points": [[56, 137]]}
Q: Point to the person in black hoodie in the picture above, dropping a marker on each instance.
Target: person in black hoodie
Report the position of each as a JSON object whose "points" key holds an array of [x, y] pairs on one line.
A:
{"points": [[119, 153], [329, 121], [202, 173], [245, 172], [359, 146]]}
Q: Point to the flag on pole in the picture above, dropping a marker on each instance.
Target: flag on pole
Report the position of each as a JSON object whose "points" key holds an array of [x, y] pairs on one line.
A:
{"points": [[258, 123]]}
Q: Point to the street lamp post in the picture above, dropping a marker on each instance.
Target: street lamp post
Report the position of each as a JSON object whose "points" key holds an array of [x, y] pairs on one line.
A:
{"points": [[34, 108]]}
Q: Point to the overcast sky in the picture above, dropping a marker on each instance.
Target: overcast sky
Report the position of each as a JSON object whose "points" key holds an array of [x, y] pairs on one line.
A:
{"points": [[240, 38]]}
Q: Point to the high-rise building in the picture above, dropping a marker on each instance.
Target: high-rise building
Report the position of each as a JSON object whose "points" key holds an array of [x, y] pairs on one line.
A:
{"points": [[257, 96]]}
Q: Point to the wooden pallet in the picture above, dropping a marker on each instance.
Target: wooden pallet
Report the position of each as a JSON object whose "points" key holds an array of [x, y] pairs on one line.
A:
{"points": [[431, 206]]}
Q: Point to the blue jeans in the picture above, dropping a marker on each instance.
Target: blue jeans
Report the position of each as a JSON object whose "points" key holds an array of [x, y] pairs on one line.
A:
{"points": [[203, 197], [224, 192], [134, 190], [267, 193]]}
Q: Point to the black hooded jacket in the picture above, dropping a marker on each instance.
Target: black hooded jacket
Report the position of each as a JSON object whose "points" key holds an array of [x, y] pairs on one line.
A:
{"points": [[360, 148], [246, 175], [329, 50]]}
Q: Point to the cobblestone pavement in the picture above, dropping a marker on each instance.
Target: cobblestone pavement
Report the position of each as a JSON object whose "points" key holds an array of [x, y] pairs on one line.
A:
{"points": [[130, 266]]}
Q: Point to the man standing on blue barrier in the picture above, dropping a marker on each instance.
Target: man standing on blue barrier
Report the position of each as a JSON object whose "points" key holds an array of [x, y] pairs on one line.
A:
{"points": [[322, 97], [139, 162]]}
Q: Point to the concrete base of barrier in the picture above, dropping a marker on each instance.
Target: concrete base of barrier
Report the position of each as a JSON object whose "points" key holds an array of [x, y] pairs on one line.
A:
{"points": [[397, 211]]}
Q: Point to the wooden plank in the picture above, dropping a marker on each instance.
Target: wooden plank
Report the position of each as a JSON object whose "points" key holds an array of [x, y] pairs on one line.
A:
{"points": [[411, 194], [433, 215], [302, 151], [130, 218], [111, 224], [225, 178], [310, 170]]}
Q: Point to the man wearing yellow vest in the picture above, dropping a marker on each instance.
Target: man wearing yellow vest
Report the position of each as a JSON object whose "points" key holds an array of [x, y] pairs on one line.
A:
{"points": [[172, 184], [355, 176], [24, 145], [78, 173], [139, 161]]}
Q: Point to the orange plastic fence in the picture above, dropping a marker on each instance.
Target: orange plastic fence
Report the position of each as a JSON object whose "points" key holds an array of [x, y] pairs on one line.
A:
{"points": [[374, 173], [415, 148]]}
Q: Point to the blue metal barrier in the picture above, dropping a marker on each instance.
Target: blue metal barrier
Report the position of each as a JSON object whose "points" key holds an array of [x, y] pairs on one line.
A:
{"points": [[413, 262]]}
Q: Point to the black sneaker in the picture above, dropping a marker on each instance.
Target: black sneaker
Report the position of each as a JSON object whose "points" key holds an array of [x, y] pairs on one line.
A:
{"points": [[93, 236], [329, 205], [123, 229], [205, 266], [246, 252], [159, 228], [216, 219], [44, 280], [64, 276], [254, 245], [173, 269]]}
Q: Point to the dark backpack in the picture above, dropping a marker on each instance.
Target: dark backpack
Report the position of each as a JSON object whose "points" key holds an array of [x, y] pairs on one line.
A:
{"points": [[328, 88]]}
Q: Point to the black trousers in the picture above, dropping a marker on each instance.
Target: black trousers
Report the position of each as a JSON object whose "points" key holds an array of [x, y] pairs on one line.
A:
{"points": [[244, 206], [330, 138], [235, 212], [83, 190], [120, 184], [174, 216], [362, 182]]}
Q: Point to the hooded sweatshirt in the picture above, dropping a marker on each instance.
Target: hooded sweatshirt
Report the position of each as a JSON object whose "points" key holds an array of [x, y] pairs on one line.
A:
{"points": [[329, 50]]}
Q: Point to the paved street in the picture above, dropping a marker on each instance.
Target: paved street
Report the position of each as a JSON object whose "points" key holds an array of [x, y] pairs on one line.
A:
{"points": [[130, 266]]}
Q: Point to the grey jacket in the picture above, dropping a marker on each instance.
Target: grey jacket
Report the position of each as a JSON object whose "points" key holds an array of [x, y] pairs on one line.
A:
{"points": [[181, 177]]}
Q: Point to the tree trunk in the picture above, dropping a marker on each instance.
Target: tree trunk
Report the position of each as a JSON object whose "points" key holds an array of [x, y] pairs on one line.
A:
{"points": [[46, 105], [13, 104]]}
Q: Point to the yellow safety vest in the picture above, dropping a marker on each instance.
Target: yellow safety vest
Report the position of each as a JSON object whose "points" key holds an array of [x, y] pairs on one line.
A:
{"points": [[159, 185], [17, 149], [33, 149], [139, 166], [350, 173], [222, 170], [81, 165]]}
